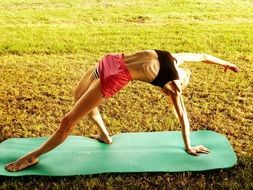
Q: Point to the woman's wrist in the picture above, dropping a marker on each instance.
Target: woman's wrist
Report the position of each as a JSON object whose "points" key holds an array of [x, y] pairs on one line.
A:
{"points": [[187, 148]]}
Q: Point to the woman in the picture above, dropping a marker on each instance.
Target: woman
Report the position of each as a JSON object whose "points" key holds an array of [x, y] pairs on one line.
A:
{"points": [[114, 71]]}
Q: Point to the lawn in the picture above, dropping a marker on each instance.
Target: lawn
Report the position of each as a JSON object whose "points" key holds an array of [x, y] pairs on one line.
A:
{"points": [[45, 47]]}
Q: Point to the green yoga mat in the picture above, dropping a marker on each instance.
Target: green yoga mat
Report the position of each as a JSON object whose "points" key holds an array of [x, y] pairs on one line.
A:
{"points": [[130, 152]]}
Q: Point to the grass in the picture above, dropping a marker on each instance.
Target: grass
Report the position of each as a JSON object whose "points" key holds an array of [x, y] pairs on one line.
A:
{"points": [[45, 46]]}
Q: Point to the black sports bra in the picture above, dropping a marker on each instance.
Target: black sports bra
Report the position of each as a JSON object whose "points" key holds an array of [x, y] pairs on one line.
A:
{"points": [[167, 71]]}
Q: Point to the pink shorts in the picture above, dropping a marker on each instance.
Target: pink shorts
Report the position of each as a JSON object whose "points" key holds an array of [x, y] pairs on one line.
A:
{"points": [[113, 74]]}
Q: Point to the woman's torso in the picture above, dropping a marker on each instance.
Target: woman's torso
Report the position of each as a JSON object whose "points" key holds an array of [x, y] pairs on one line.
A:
{"points": [[143, 65]]}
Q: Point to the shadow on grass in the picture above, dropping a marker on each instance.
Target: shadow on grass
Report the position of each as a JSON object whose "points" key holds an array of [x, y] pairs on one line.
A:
{"points": [[238, 177]]}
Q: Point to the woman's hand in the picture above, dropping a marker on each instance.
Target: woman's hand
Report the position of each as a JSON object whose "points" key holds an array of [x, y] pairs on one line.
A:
{"points": [[197, 150], [232, 67]]}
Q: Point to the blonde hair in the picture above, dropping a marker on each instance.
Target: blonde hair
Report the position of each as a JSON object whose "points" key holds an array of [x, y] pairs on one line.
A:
{"points": [[184, 76]]}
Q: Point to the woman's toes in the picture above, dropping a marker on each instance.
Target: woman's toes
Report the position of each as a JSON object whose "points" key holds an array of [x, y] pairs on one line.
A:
{"points": [[9, 166], [102, 138], [109, 140]]}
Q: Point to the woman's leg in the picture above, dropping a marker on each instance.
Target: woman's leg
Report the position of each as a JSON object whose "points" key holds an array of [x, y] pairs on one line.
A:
{"points": [[103, 134], [83, 85], [88, 101]]}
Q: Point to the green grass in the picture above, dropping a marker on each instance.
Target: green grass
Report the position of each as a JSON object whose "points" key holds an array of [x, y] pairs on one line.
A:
{"points": [[45, 46]]}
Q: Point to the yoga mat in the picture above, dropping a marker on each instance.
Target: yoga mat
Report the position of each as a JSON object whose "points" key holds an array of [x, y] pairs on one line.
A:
{"points": [[130, 152]]}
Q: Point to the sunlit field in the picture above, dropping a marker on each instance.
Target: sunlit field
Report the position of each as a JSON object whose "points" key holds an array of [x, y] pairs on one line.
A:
{"points": [[46, 46]]}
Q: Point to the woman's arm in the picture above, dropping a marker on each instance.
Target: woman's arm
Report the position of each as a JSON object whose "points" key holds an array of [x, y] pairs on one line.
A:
{"points": [[171, 89], [198, 57]]}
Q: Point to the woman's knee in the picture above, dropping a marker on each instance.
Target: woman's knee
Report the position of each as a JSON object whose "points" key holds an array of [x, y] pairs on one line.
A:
{"points": [[93, 112], [67, 123]]}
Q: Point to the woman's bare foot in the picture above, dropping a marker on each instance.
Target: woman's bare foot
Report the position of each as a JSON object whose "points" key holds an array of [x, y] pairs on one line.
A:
{"points": [[102, 138], [21, 164]]}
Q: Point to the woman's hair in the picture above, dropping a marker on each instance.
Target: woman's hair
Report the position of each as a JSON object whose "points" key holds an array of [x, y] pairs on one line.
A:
{"points": [[184, 76]]}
